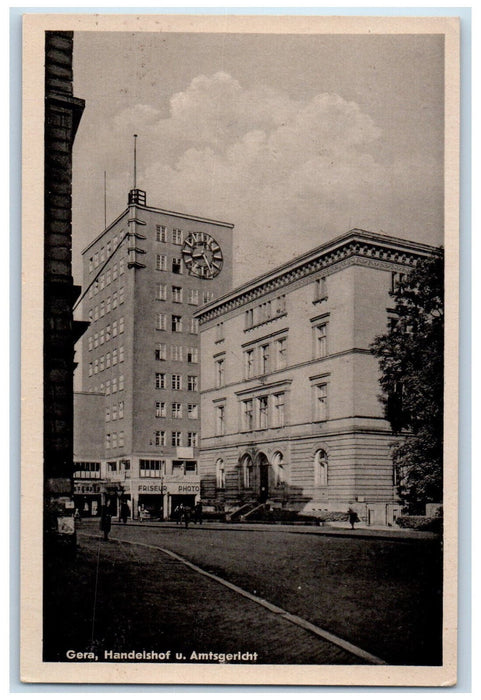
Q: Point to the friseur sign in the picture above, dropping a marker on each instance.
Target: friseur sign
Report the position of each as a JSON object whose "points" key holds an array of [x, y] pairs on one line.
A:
{"points": [[172, 487]]}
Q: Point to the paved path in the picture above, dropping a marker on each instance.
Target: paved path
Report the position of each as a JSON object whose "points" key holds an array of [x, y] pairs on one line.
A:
{"points": [[194, 611], [340, 530]]}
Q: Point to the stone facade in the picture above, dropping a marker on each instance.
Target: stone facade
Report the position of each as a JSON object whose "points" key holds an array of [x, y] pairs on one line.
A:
{"points": [[291, 414]]}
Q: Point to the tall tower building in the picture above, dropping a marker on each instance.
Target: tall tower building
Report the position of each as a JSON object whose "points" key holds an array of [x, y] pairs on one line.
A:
{"points": [[144, 276]]}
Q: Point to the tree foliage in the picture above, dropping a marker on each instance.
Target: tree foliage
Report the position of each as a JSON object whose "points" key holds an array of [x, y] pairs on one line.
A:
{"points": [[411, 360]]}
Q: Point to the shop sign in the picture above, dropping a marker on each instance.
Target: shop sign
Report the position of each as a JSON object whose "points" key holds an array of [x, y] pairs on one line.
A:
{"points": [[79, 488], [152, 488], [184, 487]]}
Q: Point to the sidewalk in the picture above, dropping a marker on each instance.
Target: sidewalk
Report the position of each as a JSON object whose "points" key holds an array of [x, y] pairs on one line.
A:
{"points": [[338, 530]]}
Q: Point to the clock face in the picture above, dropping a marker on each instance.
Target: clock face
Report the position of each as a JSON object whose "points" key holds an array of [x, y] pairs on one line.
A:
{"points": [[202, 255]]}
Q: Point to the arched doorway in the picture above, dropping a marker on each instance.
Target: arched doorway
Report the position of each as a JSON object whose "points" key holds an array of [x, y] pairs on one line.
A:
{"points": [[263, 465]]}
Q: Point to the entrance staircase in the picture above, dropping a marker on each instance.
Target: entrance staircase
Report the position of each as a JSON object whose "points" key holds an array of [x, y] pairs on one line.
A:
{"points": [[237, 515]]}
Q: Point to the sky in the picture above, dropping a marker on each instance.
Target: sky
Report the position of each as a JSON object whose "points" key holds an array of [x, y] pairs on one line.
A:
{"points": [[295, 139]]}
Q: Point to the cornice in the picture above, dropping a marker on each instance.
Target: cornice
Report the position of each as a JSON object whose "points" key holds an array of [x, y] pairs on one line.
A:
{"points": [[356, 247]]}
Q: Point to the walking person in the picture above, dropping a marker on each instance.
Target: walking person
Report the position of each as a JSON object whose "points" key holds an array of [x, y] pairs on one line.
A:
{"points": [[353, 517], [105, 521], [124, 512], [198, 512], [187, 515], [178, 512]]}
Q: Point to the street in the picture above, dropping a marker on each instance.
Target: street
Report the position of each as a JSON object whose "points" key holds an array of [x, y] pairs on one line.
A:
{"points": [[382, 596]]}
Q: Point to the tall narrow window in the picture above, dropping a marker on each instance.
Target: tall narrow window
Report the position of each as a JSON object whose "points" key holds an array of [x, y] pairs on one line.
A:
{"points": [[159, 380], [176, 382], [192, 355], [321, 340], [176, 410], [192, 411], [219, 372], [194, 296], [191, 439], [161, 262], [176, 323], [281, 353], [264, 359], [192, 383], [159, 437], [177, 236], [160, 233], [321, 402], [248, 414], [220, 474], [177, 294], [160, 411], [320, 468], [176, 438], [263, 408], [177, 266], [278, 418], [161, 322], [160, 352], [161, 291], [249, 363], [220, 420], [194, 325]]}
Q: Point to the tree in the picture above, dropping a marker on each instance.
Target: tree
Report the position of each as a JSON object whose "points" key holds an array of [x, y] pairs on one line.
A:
{"points": [[411, 361]]}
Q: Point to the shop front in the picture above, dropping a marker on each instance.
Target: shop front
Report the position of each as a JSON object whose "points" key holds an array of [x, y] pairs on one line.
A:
{"points": [[158, 497], [87, 498]]}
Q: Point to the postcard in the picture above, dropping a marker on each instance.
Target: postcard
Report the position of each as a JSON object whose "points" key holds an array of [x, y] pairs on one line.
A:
{"points": [[239, 338]]}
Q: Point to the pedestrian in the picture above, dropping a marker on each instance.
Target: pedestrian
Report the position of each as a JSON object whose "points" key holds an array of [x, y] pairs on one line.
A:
{"points": [[124, 512], [105, 521], [198, 512], [178, 512], [353, 517], [187, 514], [142, 513]]}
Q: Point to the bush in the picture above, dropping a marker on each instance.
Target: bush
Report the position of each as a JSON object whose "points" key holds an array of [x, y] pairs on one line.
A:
{"points": [[420, 522], [333, 516]]}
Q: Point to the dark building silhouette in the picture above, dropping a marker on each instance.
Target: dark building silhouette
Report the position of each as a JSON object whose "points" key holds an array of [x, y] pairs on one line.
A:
{"points": [[62, 116]]}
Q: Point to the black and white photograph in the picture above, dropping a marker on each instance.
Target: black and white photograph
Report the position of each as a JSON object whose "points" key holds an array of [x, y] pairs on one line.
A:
{"points": [[241, 466]]}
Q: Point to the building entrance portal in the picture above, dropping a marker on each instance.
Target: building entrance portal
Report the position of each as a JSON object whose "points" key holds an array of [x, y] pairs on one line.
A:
{"points": [[263, 463]]}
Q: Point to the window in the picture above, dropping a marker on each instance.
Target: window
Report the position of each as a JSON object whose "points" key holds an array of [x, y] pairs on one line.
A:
{"points": [[177, 295], [107, 360], [161, 262], [96, 367], [192, 383], [281, 353], [91, 371], [114, 271], [108, 305], [121, 409], [114, 329], [176, 410], [220, 420], [192, 411], [108, 277], [114, 385], [102, 281], [280, 305], [161, 322], [192, 354], [248, 414], [114, 412], [102, 254], [249, 318], [397, 280], [114, 357], [263, 409], [161, 291], [176, 382], [191, 439], [107, 387], [194, 296], [321, 402], [160, 380], [107, 415], [107, 441], [91, 342], [177, 236], [176, 352], [109, 248], [151, 468], [177, 266], [114, 300], [176, 323], [96, 260], [160, 233], [194, 325], [264, 359], [219, 332], [108, 333], [102, 336], [278, 468], [160, 409], [121, 382], [249, 363], [159, 438], [102, 364], [176, 438], [278, 417], [220, 474], [320, 468], [321, 340], [160, 351], [102, 309], [121, 324], [121, 438], [320, 289], [207, 296], [121, 353], [247, 469], [219, 372], [96, 313], [121, 295]]}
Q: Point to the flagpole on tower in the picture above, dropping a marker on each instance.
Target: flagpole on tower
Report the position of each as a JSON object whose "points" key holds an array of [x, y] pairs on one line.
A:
{"points": [[135, 161]]}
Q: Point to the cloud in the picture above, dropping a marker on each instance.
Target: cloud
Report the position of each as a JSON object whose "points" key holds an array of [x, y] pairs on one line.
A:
{"points": [[288, 173]]}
